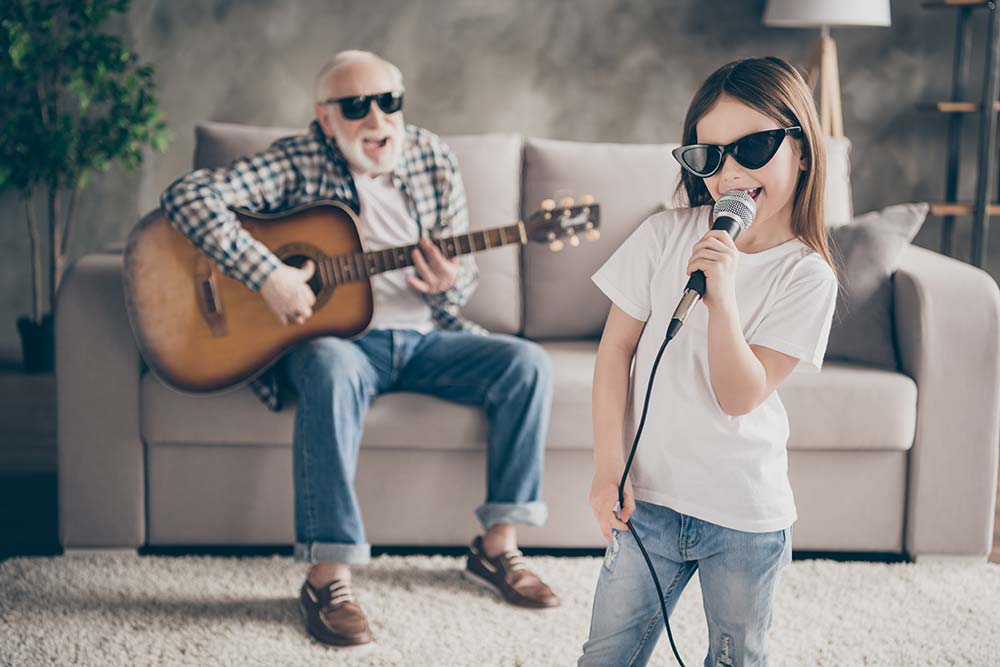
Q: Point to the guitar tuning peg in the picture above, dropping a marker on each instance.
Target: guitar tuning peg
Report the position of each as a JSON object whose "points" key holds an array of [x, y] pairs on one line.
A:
{"points": [[548, 204], [566, 202], [586, 200], [556, 246], [574, 240], [593, 235]]}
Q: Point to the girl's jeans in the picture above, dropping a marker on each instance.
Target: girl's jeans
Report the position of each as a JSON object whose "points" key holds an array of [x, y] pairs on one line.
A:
{"points": [[738, 572]]}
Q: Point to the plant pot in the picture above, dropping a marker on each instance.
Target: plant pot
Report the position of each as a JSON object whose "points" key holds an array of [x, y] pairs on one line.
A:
{"points": [[37, 344]]}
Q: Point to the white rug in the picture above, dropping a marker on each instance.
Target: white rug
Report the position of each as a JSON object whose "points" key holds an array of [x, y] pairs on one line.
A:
{"points": [[131, 610]]}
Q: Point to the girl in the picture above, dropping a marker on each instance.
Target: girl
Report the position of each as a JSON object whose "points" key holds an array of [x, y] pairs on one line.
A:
{"points": [[708, 489]]}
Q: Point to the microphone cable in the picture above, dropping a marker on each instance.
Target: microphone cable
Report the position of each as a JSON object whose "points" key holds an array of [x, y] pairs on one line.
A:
{"points": [[672, 329]]}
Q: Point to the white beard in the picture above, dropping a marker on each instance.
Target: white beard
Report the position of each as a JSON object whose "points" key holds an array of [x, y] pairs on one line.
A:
{"points": [[355, 154]]}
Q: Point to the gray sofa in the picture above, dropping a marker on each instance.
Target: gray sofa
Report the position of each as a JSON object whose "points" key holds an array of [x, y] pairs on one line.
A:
{"points": [[880, 461]]}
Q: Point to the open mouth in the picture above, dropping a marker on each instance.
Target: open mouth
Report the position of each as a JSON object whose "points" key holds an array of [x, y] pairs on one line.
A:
{"points": [[753, 192], [376, 143]]}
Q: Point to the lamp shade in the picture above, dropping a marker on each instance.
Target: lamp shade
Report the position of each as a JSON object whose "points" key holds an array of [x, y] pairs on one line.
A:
{"points": [[818, 13]]}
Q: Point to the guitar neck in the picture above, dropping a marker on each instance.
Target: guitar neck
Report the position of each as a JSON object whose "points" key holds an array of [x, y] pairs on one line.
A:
{"points": [[361, 265]]}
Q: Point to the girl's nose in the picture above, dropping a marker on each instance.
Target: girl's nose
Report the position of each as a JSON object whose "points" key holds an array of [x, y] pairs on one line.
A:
{"points": [[731, 174]]}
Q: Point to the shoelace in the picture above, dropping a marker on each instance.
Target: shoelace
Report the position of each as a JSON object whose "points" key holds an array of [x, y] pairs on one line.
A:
{"points": [[516, 560], [340, 591]]}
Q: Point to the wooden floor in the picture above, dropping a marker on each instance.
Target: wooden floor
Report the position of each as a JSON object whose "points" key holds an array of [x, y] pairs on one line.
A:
{"points": [[28, 463]]}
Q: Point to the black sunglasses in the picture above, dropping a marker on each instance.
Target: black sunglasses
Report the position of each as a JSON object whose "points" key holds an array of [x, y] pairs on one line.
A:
{"points": [[357, 106], [752, 151]]}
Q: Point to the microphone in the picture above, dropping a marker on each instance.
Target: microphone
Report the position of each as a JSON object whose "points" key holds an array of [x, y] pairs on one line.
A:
{"points": [[734, 212]]}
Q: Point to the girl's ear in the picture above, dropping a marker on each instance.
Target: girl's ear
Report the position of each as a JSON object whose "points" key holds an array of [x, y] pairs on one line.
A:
{"points": [[804, 164]]}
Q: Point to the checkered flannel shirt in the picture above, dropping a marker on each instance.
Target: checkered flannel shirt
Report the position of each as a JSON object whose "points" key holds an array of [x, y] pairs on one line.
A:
{"points": [[303, 168]]}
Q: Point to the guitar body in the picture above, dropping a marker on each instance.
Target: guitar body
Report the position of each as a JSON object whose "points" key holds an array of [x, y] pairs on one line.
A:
{"points": [[201, 330]]}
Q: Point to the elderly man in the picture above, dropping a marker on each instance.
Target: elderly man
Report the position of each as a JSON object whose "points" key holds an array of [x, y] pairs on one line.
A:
{"points": [[404, 184]]}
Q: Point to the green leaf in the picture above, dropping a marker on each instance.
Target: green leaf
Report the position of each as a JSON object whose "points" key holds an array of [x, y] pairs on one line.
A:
{"points": [[98, 98]]}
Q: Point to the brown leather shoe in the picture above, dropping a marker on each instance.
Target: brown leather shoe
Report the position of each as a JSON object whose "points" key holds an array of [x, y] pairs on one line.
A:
{"points": [[508, 576], [332, 615]]}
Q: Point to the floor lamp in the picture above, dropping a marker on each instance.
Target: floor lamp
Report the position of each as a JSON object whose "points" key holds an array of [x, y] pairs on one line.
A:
{"points": [[823, 70]]}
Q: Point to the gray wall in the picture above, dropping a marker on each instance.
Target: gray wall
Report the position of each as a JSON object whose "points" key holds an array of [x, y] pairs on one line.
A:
{"points": [[588, 70]]}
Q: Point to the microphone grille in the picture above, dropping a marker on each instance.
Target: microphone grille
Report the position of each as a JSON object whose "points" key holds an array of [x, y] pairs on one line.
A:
{"points": [[738, 204]]}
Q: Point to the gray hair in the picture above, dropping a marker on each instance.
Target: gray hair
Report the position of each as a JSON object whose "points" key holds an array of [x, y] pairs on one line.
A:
{"points": [[346, 58]]}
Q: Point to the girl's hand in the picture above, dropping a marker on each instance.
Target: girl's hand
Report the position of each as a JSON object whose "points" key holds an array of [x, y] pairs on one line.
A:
{"points": [[604, 498], [716, 255]]}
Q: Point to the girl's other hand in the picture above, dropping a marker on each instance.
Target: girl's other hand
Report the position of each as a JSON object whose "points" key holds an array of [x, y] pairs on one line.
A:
{"points": [[604, 499]]}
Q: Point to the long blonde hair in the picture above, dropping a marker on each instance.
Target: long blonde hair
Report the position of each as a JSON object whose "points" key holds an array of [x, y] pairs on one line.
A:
{"points": [[776, 89]]}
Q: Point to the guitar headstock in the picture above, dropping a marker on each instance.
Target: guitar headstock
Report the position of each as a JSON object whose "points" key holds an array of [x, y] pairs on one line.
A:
{"points": [[552, 222]]}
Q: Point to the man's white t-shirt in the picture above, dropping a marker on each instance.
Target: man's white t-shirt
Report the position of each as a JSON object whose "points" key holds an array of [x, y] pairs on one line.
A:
{"points": [[693, 457], [386, 223]]}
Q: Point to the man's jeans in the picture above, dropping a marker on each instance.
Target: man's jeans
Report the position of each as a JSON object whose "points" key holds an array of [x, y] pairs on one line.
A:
{"points": [[738, 572], [336, 380]]}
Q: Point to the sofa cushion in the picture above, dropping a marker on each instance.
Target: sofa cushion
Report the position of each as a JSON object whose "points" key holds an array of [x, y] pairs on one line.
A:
{"points": [[849, 407], [867, 252], [630, 181], [218, 144], [491, 170], [881, 405], [396, 420]]}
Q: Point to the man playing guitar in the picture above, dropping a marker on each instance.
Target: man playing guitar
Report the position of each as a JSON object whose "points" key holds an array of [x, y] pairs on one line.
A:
{"points": [[405, 186]]}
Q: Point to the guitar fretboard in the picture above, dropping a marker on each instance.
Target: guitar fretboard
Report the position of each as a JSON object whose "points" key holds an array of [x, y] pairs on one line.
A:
{"points": [[361, 265]]}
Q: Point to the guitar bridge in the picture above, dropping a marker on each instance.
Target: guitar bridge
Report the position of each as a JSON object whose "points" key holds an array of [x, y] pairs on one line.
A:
{"points": [[209, 296]]}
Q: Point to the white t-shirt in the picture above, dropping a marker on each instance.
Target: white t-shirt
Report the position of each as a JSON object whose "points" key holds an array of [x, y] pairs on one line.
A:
{"points": [[386, 223], [693, 457]]}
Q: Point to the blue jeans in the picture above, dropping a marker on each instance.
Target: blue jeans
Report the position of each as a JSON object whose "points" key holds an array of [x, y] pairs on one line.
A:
{"points": [[738, 572], [336, 380]]}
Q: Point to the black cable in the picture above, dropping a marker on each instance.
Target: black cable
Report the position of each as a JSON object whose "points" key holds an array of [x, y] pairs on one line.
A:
{"points": [[672, 330]]}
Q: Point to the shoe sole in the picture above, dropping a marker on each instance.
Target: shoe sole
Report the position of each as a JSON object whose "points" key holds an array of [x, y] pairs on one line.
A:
{"points": [[324, 636], [476, 579]]}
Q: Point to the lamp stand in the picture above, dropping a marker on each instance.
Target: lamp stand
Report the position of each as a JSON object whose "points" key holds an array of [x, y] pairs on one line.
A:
{"points": [[824, 72]]}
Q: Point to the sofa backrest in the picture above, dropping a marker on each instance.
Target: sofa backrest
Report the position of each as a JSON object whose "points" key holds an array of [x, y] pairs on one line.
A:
{"points": [[533, 291], [628, 180]]}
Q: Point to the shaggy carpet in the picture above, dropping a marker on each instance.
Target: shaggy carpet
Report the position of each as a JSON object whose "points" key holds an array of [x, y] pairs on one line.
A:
{"points": [[204, 611]]}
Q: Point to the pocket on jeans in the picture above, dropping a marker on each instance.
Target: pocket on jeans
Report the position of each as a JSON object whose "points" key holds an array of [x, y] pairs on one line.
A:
{"points": [[787, 541], [611, 552]]}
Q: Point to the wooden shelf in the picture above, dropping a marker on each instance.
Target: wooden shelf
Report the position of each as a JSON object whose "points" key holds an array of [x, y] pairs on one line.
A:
{"points": [[956, 208], [954, 107], [936, 4]]}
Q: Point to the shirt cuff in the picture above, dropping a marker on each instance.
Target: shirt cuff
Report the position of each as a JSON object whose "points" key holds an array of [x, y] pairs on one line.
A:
{"points": [[259, 262]]}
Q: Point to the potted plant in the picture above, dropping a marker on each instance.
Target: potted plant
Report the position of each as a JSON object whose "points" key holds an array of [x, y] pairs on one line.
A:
{"points": [[72, 100]]}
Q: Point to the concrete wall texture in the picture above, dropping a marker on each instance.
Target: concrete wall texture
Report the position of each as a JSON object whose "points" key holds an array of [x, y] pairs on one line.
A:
{"points": [[585, 70]]}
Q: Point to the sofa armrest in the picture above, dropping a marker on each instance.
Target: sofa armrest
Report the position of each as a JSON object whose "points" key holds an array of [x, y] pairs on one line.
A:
{"points": [[101, 469], [947, 318]]}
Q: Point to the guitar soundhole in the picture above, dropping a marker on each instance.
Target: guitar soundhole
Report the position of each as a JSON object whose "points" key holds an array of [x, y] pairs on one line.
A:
{"points": [[298, 261]]}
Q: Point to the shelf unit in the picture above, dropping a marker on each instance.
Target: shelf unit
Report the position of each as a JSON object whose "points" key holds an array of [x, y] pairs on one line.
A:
{"points": [[981, 208]]}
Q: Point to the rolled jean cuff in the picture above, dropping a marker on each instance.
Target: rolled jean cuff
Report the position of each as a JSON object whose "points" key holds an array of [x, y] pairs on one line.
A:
{"points": [[331, 552], [531, 514]]}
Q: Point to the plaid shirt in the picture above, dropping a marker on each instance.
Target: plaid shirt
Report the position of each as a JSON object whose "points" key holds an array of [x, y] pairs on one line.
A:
{"points": [[303, 168]]}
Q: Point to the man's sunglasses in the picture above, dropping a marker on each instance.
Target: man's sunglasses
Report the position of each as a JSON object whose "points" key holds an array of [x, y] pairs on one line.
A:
{"points": [[752, 151], [356, 107]]}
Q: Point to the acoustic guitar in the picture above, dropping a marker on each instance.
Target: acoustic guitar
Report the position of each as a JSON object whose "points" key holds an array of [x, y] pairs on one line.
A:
{"points": [[202, 331]]}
